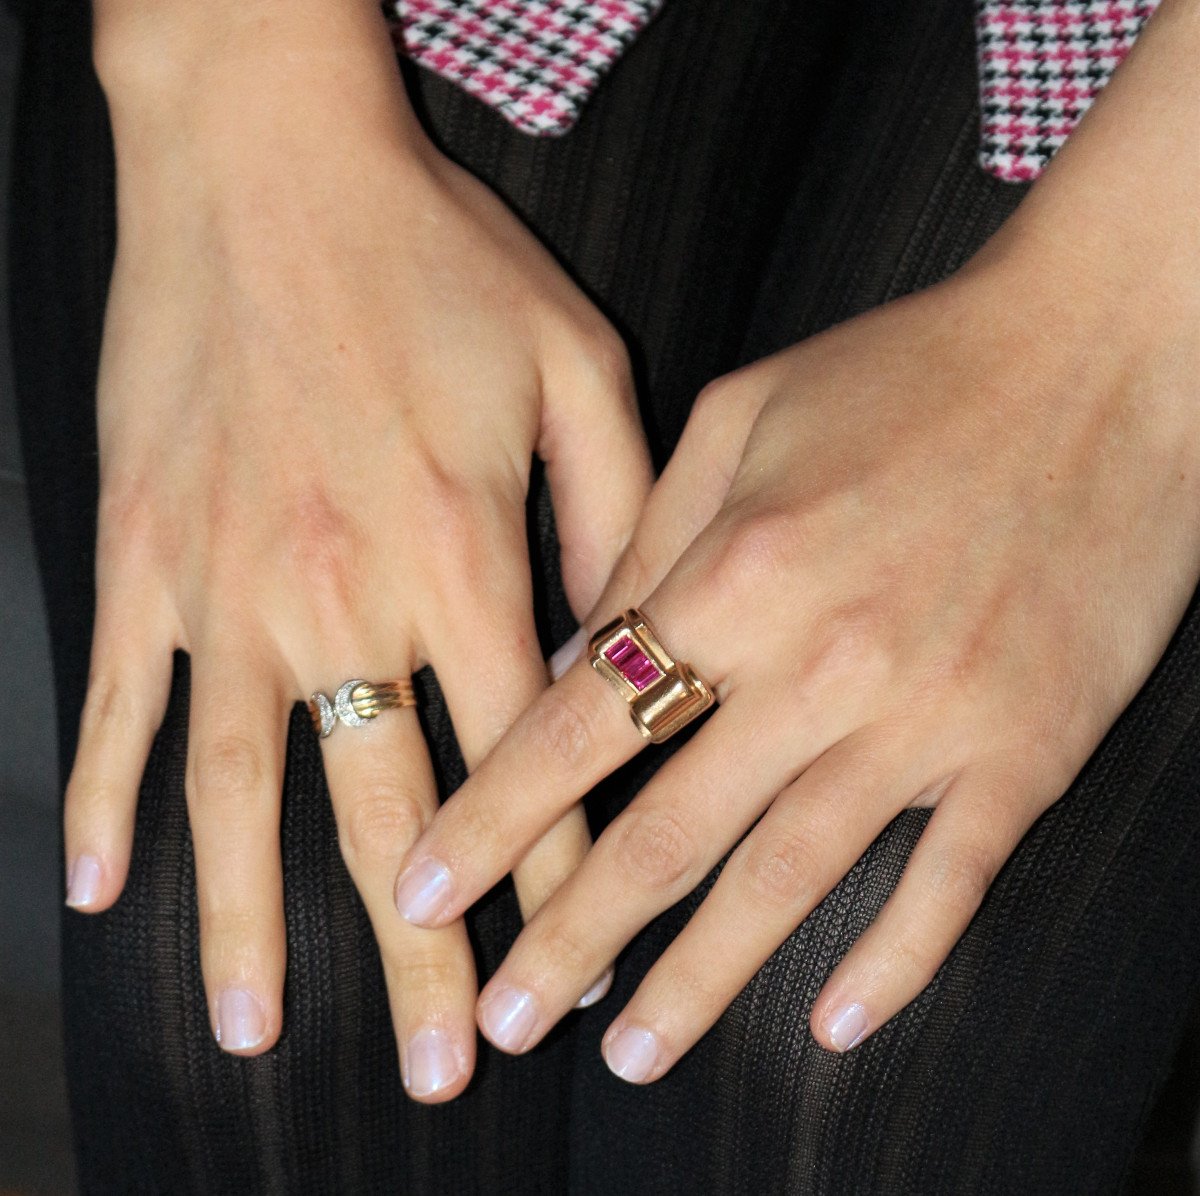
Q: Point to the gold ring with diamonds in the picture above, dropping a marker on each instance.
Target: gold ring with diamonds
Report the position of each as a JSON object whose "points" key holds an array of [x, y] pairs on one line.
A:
{"points": [[357, 702], [664, 695]]}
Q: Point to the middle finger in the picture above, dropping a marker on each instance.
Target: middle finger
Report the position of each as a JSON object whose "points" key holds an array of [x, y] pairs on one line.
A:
{"points": [[566, 742], [651, 856]]}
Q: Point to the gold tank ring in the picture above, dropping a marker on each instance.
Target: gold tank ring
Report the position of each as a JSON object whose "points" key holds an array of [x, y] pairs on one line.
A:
{"points": [[664, 695], [357, 702]]}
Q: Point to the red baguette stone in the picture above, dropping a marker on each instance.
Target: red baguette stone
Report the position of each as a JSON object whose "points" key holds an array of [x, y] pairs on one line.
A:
{"points": [[632, 663]]}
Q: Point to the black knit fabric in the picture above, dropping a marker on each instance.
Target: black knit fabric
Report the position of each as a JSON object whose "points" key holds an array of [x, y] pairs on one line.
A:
{"points": [[750, 173]]}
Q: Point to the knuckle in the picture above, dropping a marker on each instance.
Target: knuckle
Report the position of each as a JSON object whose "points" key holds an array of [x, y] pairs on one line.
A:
{"points": [[325, 543], [453, 523], [564, 949], [447, 497], [709, 396], [127, 517], [958, 878], [696, 989], [564, 734], [758, 545], [729, 398], [713, 402], [229, 770], [108, 706], [379, 824], [607, 359], [227, 923], [655, 850], [850, 645], [780, 871], [436, 977], [915, 958], [93, 800], [632, 572]]}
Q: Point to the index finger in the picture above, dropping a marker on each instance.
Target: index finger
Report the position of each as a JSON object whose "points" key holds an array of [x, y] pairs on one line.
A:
{"points": [[572, 737]]}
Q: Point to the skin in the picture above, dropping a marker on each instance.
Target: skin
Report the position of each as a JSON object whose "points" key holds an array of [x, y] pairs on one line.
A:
{"points": [[925, 559], [329, 358]]}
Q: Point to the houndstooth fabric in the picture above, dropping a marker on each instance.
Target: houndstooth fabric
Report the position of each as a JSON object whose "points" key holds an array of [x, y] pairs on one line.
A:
{"points": [[1041, 64], [536, 61]]}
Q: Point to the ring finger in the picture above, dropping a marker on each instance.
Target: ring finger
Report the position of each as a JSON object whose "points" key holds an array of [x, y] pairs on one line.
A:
{"points": [[383, 792]]}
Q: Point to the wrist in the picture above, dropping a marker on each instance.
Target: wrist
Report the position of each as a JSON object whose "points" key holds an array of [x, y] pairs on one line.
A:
{"points": [[1059, 335], [252, 77]]}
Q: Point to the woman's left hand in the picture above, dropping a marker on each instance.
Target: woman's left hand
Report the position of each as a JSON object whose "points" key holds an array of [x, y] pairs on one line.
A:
{"points": [[924, 559]]}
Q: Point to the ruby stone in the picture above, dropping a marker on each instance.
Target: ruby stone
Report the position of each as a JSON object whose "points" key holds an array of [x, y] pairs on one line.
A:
{"points": [[632, 663]]}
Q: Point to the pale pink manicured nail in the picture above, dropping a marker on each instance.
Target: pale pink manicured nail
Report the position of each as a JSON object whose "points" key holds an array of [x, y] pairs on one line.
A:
{"points": [[241, 1023], [632, 1054], [431, 1062], [508, 1017], [423, 891], [846, 1026], [83, 882], [568, 654], [597, 992]]}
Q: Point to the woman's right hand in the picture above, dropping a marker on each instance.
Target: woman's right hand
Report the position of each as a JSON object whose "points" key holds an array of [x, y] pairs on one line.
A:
{"points": [[329, 357]]}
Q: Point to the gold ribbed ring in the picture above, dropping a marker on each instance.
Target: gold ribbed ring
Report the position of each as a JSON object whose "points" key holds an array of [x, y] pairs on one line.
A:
{"points": [[357, 702]]}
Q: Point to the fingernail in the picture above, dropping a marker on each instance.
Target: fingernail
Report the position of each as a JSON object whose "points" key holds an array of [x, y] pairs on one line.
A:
{"points": [[423, 891], [508, 1018], [847, 1027], [241, 1022], [568, 654], [430, 1063], [597, 991], [83, 882], [632, 1054]]}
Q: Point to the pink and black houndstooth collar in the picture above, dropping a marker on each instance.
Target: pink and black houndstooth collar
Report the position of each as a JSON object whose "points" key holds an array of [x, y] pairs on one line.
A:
{"points": [[1041, 62], [535, 61]]}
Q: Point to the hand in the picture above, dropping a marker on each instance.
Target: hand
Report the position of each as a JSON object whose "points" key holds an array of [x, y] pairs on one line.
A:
{"points": [[329, 357], [925, 559]]}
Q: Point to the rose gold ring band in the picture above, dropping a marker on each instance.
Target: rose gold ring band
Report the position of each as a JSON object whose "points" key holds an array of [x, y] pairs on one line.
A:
{"points": [[664, 695]]}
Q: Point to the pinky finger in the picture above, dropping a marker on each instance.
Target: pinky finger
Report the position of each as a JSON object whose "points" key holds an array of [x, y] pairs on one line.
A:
{"points": [[128, 685], [972, 833]]}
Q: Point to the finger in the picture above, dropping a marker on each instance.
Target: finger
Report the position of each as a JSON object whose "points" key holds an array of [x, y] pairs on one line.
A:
{"points": [[485, 651], [973, 831], [650, 857], [573, 736], [129, 682], [682, 503], [382, 787], [579, 730], [234, 782], [812, 835], [569, 741], [597, 465], [687, 496]]}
